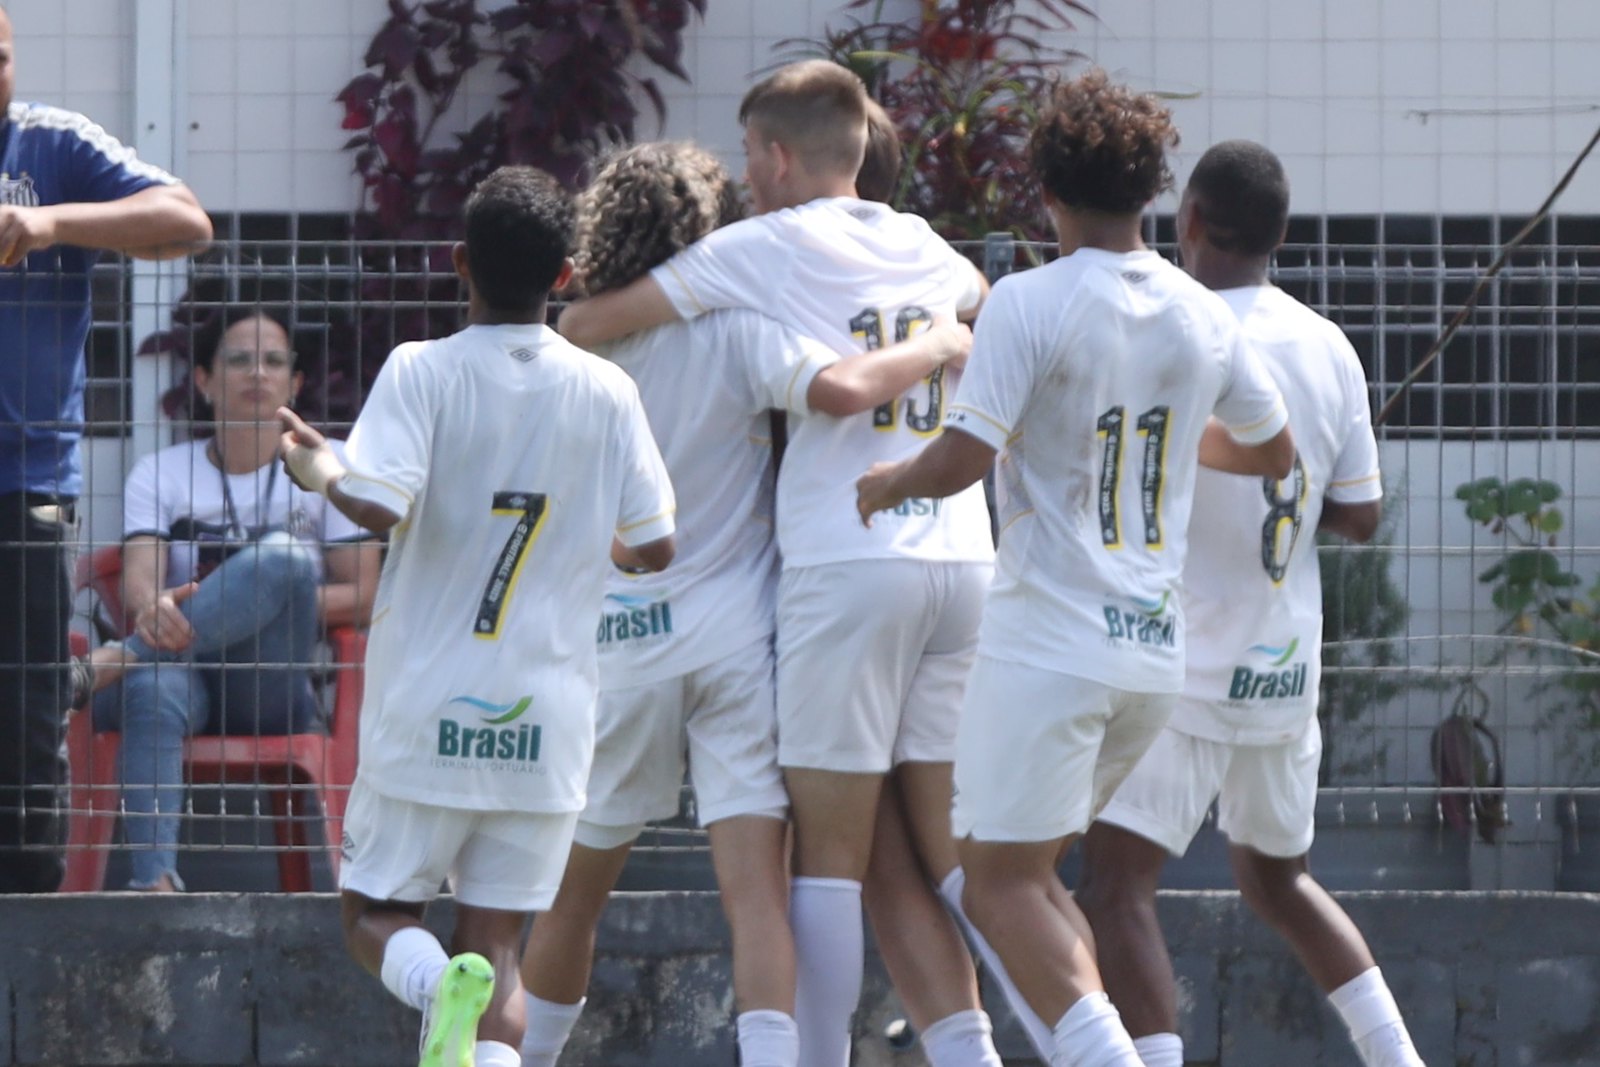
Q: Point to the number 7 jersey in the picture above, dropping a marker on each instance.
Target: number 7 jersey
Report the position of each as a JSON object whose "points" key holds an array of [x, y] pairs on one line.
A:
{"points": [[513, 458], [1095, 375]]}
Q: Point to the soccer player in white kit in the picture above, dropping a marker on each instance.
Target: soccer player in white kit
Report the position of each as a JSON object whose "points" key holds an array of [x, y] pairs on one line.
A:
{"points": [[876, 628], [1245, 728], [686, 657], [513, 470], [1095, 375]]}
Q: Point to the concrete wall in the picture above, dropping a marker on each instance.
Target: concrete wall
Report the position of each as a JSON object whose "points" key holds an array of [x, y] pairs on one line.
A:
{"points": [[1486, 980]]}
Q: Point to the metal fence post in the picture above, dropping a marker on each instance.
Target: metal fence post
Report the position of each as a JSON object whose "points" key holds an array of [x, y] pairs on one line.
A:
{"points": [[999, 255]]}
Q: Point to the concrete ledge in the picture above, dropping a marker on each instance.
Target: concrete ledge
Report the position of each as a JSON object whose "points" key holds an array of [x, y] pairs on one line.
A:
{"points": [[1487, 979]]}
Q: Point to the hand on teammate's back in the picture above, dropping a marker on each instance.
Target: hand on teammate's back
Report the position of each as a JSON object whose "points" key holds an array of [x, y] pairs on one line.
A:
{"points": [[875, 491], [953, 341]]}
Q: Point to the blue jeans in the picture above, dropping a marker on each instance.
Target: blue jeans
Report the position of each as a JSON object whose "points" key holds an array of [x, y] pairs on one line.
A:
{"points": [[255, 622]]}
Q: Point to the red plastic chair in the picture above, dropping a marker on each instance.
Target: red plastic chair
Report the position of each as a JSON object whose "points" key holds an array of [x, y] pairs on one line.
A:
{"points": [[288, 766]]}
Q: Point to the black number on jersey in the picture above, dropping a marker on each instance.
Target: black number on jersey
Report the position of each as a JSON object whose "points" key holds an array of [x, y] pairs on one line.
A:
{"points": [[1283, 508], [923, 421], [529, 508], [1152, 426]]}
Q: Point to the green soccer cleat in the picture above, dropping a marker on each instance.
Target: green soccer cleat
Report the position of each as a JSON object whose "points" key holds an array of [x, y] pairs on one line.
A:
{"points": [[450, 1032]]}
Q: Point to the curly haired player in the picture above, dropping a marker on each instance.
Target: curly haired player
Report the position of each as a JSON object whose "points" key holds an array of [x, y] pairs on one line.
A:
{"points": [[1095, 375]]}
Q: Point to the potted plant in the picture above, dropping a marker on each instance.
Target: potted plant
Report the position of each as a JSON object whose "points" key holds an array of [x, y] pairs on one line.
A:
{"points": [[1550, 619]]}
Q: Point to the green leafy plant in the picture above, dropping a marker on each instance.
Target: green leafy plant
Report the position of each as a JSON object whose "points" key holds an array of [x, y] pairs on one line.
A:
{"points": [[1363, 609], [1548, 616], [962, 81]]}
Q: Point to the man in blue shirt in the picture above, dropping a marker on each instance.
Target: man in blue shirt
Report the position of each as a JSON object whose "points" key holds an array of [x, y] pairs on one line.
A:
{"points": [[68, 190]]}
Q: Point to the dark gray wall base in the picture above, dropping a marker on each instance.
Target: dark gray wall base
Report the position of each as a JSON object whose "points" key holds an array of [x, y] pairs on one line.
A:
{"points": [[1485, 979]]}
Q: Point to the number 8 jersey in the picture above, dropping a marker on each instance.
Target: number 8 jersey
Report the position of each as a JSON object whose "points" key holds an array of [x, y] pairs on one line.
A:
{"points": [[513, 458], [1095, 375], [1253, 589]]}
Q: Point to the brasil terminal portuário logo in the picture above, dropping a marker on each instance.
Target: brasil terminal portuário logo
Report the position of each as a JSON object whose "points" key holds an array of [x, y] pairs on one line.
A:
{"points": [[496, 714]]}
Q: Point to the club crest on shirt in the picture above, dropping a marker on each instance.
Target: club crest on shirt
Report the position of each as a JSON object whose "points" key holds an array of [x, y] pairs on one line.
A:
{"points": [[18, 192]]}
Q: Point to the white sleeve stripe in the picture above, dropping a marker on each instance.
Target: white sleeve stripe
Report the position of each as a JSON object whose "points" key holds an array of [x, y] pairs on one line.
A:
{"points": [[54, 118]]}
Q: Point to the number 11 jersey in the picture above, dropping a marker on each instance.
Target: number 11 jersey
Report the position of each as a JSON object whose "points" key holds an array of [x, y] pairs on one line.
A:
{"points": [[1095, 375], [513, 458]]}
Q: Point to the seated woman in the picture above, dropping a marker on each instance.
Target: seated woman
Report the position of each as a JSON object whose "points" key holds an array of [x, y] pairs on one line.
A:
{"points": [[229, 570]]}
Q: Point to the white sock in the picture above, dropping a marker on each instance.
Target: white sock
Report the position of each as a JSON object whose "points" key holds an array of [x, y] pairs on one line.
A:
{"points": [[1369, 1011], [964, 1039], [413, 960], [1160, 1050], [1091, 1034], [495, 1054], [829, 948], [768, 1038], [549, 1026], [1039, 1035]]}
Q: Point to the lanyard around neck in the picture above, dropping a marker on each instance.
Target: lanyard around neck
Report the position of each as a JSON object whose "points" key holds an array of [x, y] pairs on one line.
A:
{"points": [[230, 512]]}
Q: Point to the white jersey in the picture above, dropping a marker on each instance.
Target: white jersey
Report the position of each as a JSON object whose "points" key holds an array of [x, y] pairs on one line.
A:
{"points": [[1252, 587], [512, 458], [1095, 374], [854, 275], [707, 385], [180, 496]]}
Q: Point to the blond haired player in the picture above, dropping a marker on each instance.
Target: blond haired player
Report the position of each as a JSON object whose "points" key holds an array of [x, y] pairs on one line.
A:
{"points": [[1095, 374], [686, 657], [1245, 728], [876, 628], [513, 469]]}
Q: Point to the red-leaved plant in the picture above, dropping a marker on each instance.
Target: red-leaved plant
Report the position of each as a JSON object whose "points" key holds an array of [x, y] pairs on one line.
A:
{"points": [[962, 80], [562, 83]]}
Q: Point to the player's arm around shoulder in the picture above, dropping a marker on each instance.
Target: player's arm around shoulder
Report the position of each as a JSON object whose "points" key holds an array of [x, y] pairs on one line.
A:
{"points": [[611, 316], [860, 382]]}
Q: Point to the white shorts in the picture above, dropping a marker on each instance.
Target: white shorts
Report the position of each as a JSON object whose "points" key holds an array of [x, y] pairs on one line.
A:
{"points": [[1040, 752], [1267, 794], [400, 850], [721, 719], [873, 657]]}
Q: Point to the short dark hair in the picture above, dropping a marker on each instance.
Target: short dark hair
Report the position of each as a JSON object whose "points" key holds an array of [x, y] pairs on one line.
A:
{"points": [[816, 109], [520, 226], [1243, 195], [879, 175], [1099, 146]]}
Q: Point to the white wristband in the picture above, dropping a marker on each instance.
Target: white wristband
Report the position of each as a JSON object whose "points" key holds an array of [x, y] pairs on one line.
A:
{"points": [[315, 468]]}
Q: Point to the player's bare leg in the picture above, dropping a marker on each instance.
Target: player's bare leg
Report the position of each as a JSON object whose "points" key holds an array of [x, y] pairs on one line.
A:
{"points": [[496, 936], [559, 955], [751, 857], [1330, 947], [920, 943], [1117, 894], [833, 831], [1018, 903]]}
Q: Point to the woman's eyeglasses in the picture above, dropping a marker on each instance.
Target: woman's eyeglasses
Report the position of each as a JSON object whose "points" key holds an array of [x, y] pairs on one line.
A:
{"points": [[245, 358]]}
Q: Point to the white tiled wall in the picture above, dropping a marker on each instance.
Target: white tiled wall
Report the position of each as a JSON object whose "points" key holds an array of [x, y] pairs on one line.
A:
{"points": [[1454, 106]]}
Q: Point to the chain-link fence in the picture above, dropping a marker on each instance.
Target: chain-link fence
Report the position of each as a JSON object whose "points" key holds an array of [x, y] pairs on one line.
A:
{"points": [[1469, 608]]}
